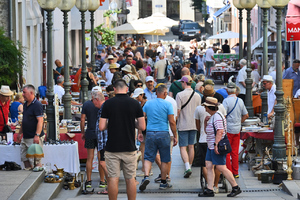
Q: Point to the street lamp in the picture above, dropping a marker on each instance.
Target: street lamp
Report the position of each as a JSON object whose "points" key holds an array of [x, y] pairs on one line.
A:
{"points": [[279, 151], [49, 6], [65, 6], [248, 5], [94, 5], [264, 5], [83, 6], [237, 4]]}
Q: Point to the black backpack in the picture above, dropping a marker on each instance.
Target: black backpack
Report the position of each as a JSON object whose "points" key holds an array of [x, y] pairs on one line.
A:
{"points": [[131, 87]]}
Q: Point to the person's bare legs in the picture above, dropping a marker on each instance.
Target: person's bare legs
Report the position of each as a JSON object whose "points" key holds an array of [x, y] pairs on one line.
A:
{"points": [[164, 170], [184, 154], [228, 174], [204, 170], [210, 175], [100, 168], [217, 177], [113, 188], [191, 154], [130, 188], [157, 161], [142, 149], [89, 164], [147, 166], [27, 164]]}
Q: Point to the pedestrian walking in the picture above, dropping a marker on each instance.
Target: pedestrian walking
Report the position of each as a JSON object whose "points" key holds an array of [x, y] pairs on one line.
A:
{"points": [[120, 116]]}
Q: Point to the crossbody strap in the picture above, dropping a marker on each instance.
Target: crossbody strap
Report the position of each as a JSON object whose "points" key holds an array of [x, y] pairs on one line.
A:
{"points": [[188, 100], [177, 86], [3, 116], [233, 107], [215, 131]]}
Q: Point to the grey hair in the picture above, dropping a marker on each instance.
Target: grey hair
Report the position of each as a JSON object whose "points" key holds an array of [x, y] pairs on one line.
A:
{"points": [[98, 95], [238, 89], [60, 79], [231, 90], [30, 87], [161, 89]]}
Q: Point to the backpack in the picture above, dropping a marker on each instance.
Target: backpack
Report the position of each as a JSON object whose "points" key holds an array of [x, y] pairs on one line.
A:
{"points": [[131, 87], [168, 69]]}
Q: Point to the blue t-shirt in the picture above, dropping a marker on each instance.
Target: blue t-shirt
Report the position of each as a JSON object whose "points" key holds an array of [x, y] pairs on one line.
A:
{"points": [[91, 113], [291, 74], [14, 111], [157, 111]]}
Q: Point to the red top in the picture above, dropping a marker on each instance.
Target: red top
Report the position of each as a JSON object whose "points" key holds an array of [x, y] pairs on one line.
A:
{"points": [[75, 88], [5, 109]]}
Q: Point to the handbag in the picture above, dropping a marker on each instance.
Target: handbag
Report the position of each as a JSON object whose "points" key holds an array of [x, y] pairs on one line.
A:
{"points": [[224, 146], [6, 128]]}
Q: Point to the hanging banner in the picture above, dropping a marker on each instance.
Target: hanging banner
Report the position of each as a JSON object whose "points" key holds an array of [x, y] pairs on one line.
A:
{"points": [[104, 5], [129, 3], [292, 32]]}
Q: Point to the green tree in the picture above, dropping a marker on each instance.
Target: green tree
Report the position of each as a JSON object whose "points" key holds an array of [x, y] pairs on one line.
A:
{"points": [[105, 35], [12, 60]]}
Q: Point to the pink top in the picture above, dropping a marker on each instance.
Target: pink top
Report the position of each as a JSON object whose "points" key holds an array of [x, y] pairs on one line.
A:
{"points": [[218, 122], [147, 69], [293, 12]]}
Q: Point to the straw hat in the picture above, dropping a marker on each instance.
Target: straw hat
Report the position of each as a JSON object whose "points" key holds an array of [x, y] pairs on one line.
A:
{"points": [[211, 101], [113, 66], [5, 90], [127, 68], [208, 90], [176, 58], [110, 57]]}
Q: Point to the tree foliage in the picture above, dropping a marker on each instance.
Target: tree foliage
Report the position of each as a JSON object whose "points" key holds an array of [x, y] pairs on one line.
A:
{"points": [[198, 4], [105, 35], [12, 60]]}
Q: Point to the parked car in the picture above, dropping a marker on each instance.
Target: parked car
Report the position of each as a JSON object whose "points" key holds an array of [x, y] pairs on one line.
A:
{"points": [[190, 30], [175, 28]]}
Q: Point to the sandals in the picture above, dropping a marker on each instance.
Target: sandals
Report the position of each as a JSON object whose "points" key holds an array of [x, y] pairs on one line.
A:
{"points": [[104, 192], [37, 169]]}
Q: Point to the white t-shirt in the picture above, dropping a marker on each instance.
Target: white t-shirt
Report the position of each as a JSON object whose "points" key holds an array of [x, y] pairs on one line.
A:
{"points": [[174, 105], [209, 53], [161, 49], [237, 49], [271, 98], [60, 91], [107, 72], [160, 66], [241, 77]]}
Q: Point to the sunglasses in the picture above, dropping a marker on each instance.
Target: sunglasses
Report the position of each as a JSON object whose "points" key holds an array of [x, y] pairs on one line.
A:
{"points": [[139, 85]]}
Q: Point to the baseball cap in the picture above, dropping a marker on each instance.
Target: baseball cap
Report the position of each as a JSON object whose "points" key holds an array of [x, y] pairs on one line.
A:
{"points": [[231, 85], [96, 88], [186, 78], [208, 82], [149, 78], [137, 92]]}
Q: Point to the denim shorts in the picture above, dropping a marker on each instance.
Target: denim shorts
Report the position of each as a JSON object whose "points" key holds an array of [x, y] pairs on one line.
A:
{"points": [[187, 138], [157, 140], [216, 159]]}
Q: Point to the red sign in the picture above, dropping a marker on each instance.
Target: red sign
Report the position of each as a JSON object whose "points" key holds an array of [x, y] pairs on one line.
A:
{"points": [[292, 32]]}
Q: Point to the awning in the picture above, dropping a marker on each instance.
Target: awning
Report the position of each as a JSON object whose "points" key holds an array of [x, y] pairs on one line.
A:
{"points": [[256, 44], [220, 11]]}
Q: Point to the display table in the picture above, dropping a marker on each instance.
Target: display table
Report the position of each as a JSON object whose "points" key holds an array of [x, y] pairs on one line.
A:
{"points": [[81, 150], [223, 74], [64, 156], [265, 135]]}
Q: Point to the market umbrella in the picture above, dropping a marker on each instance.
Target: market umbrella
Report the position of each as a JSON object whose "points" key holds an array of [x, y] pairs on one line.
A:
{"points": [[35, 151], [138, 27], [159, 19], [226, 35]]}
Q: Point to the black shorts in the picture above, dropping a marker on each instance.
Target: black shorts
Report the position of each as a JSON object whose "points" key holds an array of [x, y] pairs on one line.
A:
{"points": [[102, 157], [91, 143], [203, 150]]}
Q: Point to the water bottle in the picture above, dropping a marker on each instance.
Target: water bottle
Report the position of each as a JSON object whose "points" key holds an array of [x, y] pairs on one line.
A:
{"points": [[265, 119]]}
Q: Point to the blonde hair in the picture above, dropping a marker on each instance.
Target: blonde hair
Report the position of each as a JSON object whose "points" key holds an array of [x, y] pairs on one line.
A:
{"points": [[18, 96]]}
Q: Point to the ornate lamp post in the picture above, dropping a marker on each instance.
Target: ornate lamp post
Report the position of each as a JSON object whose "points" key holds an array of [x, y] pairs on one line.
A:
{"points": [[279, 152], [248, 5], [83, 6], [264, 4], [237, 4], [94, 5], [49, 6], [65, 6]]}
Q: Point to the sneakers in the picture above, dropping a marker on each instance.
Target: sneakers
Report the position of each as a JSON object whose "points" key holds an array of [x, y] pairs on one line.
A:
{"points": [[164, 186], [144, 183], [236, 176], [102, 184], [168, 179], [216, 190], [207, 193], [88, 184], [234, 192], [187, 173], [157, 179]]}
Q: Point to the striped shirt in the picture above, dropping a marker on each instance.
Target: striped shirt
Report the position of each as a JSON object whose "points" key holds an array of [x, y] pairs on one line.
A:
{"points": [[218, 122], [102, 135]]}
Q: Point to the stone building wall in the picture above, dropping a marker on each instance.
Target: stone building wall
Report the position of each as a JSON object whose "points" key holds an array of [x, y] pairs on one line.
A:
{"points": [[4, 15]]}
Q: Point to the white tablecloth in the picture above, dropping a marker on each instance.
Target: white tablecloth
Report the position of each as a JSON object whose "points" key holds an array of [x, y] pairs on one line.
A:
{"points": [[64, 156]]}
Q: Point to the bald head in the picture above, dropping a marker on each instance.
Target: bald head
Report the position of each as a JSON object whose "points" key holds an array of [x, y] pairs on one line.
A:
{"points": [[185, 71]]}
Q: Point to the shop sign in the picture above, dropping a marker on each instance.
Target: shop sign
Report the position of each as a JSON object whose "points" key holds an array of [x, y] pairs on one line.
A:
{"points": [[292, 32]]}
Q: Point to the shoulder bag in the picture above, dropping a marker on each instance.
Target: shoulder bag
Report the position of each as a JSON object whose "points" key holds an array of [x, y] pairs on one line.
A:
{"points": [[6, 128], [224, 146], [188, 100], [233, 107]]}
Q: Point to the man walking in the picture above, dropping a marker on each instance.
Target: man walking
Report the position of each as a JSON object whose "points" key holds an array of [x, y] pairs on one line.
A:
{"points": [[187, 102], [121, 115], [89, 113], [209, 59], [241, 78], [236, 114], [160, 67], [32, 127], [159, 112]]}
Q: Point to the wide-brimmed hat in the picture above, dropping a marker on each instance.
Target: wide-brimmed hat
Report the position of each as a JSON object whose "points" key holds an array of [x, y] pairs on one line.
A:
{"points": [[231, 85], [211, 101], [5, 90], [127, 68], [208, 90], [97, 88], [176, 58], [113, 66], [186, 78], [268, 78], [110, 57], [137, 92], [187, 61]]}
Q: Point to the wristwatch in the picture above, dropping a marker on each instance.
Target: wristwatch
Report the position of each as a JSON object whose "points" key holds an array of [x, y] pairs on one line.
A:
{"points": [[37, 134], [215, 144]]}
